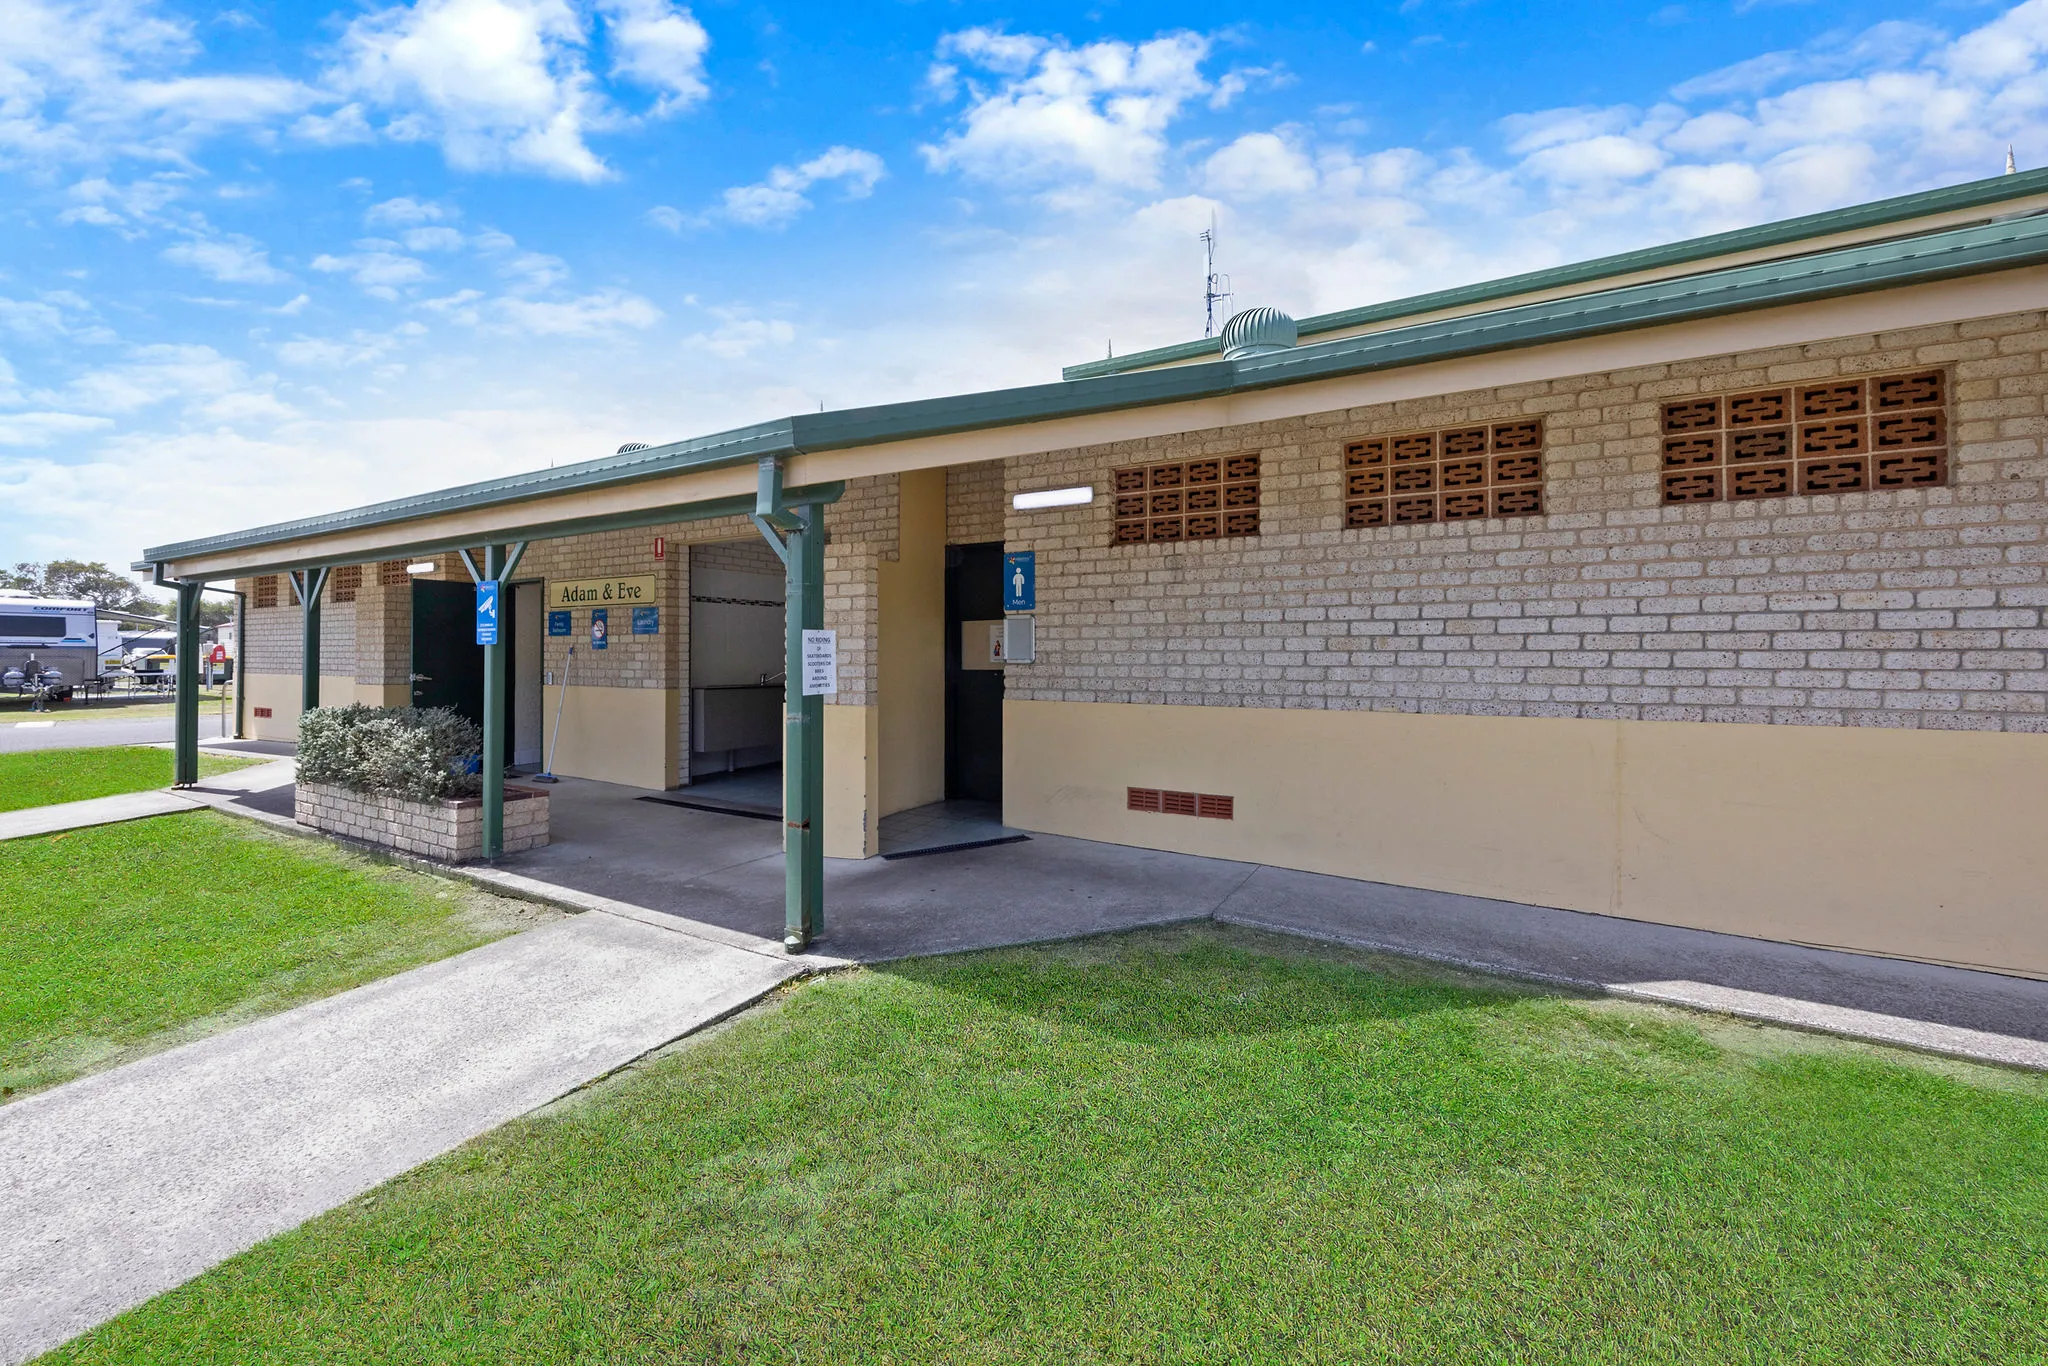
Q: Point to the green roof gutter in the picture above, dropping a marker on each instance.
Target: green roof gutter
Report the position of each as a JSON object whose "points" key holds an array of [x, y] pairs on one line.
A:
{"points": [[1848, 270], [1902, 208]]}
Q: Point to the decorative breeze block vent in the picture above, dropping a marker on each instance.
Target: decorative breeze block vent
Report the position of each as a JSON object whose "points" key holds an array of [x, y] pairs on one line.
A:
{"points": [[266, 591], [1841, 436], [1459, 474], [391, 574], [1166, 803], [1209, 499], [347, 579]]}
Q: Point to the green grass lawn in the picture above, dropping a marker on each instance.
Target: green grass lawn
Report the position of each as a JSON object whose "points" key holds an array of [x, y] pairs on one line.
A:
{"points": [[119, 939], [1192, 1145], [45, 777]]}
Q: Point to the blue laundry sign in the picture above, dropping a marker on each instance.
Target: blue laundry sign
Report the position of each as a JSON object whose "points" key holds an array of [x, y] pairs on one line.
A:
{"points": [[487, 612], [1020, 581], [646, 621], [598, 628], [558, 624]]}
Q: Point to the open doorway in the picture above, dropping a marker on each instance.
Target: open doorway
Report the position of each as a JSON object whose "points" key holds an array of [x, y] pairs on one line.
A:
{"points": [[737, 590], [974, 675]]}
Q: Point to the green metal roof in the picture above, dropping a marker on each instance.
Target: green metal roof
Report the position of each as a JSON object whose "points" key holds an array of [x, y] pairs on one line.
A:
{"points": [[1972, 194], [1821, 275]]}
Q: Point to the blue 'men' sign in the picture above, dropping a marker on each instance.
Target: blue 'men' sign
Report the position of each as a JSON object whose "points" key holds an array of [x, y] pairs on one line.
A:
{"points": [[558, 624], [1020, 581], [487, 612]]}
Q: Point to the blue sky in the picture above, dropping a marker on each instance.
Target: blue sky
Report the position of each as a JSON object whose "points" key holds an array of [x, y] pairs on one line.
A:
{"points": [[264, 261]]}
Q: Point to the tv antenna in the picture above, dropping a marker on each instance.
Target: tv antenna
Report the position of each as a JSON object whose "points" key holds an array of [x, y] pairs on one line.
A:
{"points": [[1215, 288]]}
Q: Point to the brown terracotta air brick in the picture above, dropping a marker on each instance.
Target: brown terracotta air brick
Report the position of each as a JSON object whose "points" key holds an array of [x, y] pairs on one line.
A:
{"points": [[347, 580], [262, 713], [391, 574], [266, 591], [1206, 499], [1480, 472], [1170, 803], [1842, 436]]}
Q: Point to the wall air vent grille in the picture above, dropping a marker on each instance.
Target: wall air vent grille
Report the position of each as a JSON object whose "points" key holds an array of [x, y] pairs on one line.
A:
{"points": [[1459, 474], [1840, 436], [1168, 803], [1210, 499]]}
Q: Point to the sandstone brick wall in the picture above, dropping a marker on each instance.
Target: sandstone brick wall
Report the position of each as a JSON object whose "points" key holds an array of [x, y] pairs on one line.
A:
{"points": [[975, 503], [276, 635], [450, 831], [1892, 608]]}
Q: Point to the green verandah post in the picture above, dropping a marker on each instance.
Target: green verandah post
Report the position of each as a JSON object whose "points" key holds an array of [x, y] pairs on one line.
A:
{"points": [[309, 584], [185, 728], [801, 545], [499, 562]]}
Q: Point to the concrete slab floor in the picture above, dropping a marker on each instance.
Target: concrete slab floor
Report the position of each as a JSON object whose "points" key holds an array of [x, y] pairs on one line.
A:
{"points": [[727, 871]]}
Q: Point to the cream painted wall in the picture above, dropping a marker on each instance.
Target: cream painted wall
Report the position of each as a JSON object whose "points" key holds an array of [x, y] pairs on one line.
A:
{"points": [[280, 693], [852, 744], [911, 651], [614, 735], [1910, 843]]}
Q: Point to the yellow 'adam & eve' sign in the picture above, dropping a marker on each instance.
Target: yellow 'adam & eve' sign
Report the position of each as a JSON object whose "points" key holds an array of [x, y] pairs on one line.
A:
{"points": [[633, 591]]}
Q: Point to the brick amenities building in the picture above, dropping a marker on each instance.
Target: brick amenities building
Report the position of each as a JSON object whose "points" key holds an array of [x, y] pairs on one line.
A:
{"points": [[1702, 585]]}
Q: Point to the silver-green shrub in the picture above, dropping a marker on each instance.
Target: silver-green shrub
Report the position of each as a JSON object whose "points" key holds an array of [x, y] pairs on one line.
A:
{"points": [[411, 752]]}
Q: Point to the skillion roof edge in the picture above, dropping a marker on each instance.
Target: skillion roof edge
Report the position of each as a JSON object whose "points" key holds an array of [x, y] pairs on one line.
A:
{"points": [[1846, 270], [1898, 209]]}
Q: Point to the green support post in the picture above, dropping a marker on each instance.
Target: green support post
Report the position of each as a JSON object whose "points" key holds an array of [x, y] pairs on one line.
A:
{"points": [[185, 729], [241, 654], [803, 780], [494, 714], [309, 584]]}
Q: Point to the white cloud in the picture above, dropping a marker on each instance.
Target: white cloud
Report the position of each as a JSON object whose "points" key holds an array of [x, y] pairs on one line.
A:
{"points": [[1258, 165], [378, 272], [737, 336], [407, 213], [84, 80], [660, 46], [507, 83], [1056, 113], [40, 429], [230, 258], [592, 315], [774, 201], [666, 217], [159, 373]]}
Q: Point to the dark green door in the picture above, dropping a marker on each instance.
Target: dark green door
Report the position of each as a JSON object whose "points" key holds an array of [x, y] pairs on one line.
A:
{"points": [[974, 697], [447, 665]]}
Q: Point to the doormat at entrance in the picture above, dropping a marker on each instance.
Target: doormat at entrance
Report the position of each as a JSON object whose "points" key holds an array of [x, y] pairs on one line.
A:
{"points": [[955, 848], [755, 813]]}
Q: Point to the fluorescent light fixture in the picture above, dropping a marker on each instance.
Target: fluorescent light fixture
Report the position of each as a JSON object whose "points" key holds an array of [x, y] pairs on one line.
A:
{"points": [[1053, 498], [422, 567]]}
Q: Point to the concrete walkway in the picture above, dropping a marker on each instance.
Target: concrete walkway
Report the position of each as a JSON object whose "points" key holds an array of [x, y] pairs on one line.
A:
{"points": [[130, 806], [122, 1185]]}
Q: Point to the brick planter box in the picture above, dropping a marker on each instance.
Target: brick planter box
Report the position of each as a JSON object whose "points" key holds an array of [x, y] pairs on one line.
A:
{"points": [[451, 830]]}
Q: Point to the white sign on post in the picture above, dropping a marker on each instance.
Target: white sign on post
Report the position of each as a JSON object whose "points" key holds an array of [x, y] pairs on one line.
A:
{"points": [[821, 663]]}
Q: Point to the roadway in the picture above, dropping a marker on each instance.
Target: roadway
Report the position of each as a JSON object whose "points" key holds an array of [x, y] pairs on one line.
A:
{"points": [[19, 736]]}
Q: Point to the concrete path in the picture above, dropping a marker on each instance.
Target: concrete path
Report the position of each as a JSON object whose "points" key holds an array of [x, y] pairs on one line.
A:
{"points": [[19, 734], [125, 1184], [123, 806], [130, 806]]}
